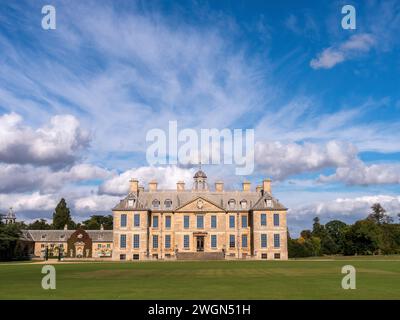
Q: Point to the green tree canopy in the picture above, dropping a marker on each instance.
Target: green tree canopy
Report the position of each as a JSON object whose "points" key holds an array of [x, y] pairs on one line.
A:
{"points": [[96, 221], [39, 225], [62, 216]]}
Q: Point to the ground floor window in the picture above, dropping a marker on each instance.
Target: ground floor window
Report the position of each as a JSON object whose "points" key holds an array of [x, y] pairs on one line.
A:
{"points": [[186, 241], [155, 256], [167, 241], [122, 257], [231, 241], [277, 256], [263, 256], [263, 240], [213, 241], [135, 257], [155, 242], [277, 240]]}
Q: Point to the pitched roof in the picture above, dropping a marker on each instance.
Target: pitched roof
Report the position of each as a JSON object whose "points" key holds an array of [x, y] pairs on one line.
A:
{"points": [[144, 200], [63, 235]]}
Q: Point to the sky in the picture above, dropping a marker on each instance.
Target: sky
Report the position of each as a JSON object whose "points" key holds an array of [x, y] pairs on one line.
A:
{"points": [[324, 102]]}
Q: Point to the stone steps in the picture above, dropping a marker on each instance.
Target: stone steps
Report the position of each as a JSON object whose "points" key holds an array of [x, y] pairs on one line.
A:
{"points": [[199, 256]]}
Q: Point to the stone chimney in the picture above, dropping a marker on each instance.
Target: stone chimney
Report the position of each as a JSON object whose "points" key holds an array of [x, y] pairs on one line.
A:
{"points": [[133, 186], [246, 186], [267, 185], [153, 185], [219, 186], [66, 227], [180, 186], [101, 227]]}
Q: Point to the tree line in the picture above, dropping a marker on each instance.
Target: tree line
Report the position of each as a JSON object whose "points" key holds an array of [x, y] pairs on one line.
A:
{"points": [[376, 234]]}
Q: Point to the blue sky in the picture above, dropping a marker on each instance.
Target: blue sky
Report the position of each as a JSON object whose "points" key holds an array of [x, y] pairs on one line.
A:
{"points": [[76, 102]]}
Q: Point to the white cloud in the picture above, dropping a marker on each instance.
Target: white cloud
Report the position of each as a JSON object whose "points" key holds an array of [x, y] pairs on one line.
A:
{"points": [[359, 207], [28, 202], [354, 46], [56, 144], [281, 160], [23, 178], [97, 203], [167, 177], [359, 173]]}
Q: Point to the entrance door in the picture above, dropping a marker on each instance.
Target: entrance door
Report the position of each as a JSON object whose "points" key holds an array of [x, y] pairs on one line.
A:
{"points": [[200, 243]]}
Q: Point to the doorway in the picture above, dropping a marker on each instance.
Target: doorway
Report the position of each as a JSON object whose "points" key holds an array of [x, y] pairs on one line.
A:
{"points": [[200, 243]]}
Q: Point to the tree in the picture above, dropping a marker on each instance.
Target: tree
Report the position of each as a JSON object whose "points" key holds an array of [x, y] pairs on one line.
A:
{"points": [[9, 235], [306, 234], [318, 229], [379, 215], [62, 216], [336, 230], [39, 225], [364, 237], [96, 221]]}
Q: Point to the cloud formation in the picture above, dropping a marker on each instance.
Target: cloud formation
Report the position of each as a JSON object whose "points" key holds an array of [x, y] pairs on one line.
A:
{"points": [[357, 44], [56, 144]]}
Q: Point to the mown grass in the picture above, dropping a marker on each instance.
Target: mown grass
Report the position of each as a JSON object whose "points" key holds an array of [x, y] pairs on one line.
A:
{"points": [[377, 278]]}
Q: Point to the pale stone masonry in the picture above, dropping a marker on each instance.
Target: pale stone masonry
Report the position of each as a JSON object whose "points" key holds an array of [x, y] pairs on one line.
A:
{"points": [[199, 223]]}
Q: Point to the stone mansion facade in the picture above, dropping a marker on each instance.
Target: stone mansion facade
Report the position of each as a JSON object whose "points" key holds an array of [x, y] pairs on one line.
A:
{"points": [[182, 224], [199, 223]]}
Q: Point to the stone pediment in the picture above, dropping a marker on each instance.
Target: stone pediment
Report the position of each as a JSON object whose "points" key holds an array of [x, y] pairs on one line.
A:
{"points": [[199, 204]]}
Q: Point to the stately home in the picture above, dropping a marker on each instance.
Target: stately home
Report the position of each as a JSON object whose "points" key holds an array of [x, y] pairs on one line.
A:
{"points": [[195, 223], [199, 223]]}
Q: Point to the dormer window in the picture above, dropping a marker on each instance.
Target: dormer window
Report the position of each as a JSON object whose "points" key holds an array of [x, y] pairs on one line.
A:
{"points": [[62, 237], [231, 204], [268, 203], [243, 204], [131, 202], [44, 236], [156, 203], [168, 203]]}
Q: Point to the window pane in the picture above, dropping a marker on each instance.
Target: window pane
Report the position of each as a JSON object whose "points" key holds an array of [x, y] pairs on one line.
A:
{"points": [[231, 221], [276, 219], [186, 222], [186, 241], [200, 222], [136, 219], [168, 222], [263, 241], [213, 241], [263, 219], [123, 241], [155, 242], [213, 222], [136, 241], [244, 241], [244, 221], [123, 220], [155, 222], [231, 241], [167, 241], [277, 240]]}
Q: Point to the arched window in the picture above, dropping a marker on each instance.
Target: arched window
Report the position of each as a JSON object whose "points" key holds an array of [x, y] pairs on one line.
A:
{"points": [[156, 203], [231, 204], [168, 203], [243, 204]]}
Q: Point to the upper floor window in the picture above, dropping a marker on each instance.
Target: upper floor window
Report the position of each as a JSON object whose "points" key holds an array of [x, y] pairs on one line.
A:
{"points": [[231, 204], [268, 203], [263, 240], [276, 219], [136, 220], [243, 204], [277, 240], [186, 222], [231, 221], [200, 221], [123, 220], [213, 222], [167, 222], [263, 219], [244, 221], [155, 204], [168, 203], [155, 221]]}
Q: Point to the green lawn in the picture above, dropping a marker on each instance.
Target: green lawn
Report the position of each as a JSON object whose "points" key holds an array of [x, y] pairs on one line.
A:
{"points": [[377, 278]]}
